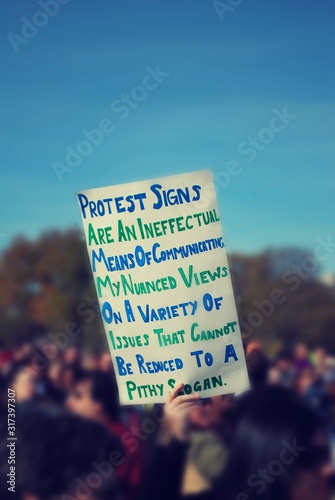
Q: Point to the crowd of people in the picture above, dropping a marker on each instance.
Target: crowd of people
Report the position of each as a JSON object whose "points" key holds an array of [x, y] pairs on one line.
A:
{"points": [[74, 440]]}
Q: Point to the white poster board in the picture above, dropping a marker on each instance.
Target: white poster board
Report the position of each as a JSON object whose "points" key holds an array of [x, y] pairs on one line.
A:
{"points": [[161, 273]]}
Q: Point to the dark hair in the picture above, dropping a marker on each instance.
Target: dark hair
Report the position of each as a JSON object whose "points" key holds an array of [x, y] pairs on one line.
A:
{"points": [[270, 420], [15, 369], [257, 365], [77, 371], [54, 450], [104, 390], [284, 355]]}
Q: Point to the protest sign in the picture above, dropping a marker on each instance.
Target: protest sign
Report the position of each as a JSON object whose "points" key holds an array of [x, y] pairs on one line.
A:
{"points": [[161, 273]]}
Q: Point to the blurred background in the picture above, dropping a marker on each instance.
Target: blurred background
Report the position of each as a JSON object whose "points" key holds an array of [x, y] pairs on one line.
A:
{"points": [[100, 93]]}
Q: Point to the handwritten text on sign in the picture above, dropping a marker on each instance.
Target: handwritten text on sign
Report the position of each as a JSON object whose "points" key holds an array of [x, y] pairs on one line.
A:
{"points": [[162, 278]]}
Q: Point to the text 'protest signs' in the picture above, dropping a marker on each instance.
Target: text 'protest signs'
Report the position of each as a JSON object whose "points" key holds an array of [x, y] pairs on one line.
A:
{"points": [[161, 273]]}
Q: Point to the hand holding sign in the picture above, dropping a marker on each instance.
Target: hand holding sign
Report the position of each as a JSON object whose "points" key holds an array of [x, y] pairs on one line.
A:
{"points": [[177, 410]]}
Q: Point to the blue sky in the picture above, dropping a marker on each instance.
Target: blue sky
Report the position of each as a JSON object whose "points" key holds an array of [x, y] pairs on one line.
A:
{"points": [[225, 78]]}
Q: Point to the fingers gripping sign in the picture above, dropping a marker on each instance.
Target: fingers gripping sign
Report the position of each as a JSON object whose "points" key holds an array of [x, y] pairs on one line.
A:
{"points": [[177, 411]]}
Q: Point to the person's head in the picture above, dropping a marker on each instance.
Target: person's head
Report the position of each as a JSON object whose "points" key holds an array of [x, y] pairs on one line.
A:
{"points": [[284, 360], [105, 364], [301, 351], [61, 456], [257, 365], [223, 415], [215, 414], [253, 346], [329, 383], [22, 378], [319, 355], [319, 359], [22, 351], [54, 373], [72, 355], [6, 359], [71, 374], [278, 449], [201, 417], [95, 397], [305, 379], [91, 360], [281, 370]]}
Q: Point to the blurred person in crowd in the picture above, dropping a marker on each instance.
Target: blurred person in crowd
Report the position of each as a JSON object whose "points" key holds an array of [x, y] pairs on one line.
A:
{"points": [[95, 397], [257, 365], [91, 361], [329, 384], [253, 346], [22, 351], [301, 357], [72, 355], [6, 358], [60, 456], [23, 379], [207, 451], [311, 387], [38, 354], [59, 380], [282, 371], [53, 387], [305, 380], [278, 450], [223, 408], [71, 375], [319, 359], [43, 351], [105, 363]]}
